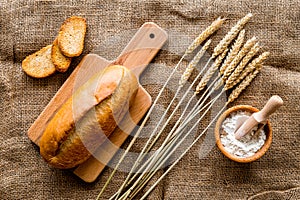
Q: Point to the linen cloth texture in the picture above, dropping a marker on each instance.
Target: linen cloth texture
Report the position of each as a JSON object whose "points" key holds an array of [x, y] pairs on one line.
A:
{"points": [[27, 26]]}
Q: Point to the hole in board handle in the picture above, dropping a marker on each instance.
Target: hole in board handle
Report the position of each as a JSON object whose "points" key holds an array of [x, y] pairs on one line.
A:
{"points": [[152, 35]]}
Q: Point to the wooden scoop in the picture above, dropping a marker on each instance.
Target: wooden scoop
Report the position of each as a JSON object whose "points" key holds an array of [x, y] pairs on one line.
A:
{"points": [[244, 125]]}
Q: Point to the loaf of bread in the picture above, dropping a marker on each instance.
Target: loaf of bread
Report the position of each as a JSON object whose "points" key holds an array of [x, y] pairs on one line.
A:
{"points": [[87, 118]]}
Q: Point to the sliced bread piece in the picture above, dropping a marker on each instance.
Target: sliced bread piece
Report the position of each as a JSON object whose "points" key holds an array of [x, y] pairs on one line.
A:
{"points": [[60, 61], [71, 36], [39, 64]]}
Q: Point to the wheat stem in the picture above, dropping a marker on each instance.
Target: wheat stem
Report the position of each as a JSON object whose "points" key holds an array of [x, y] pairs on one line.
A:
{"points": [[163, 150], [171, 167], [236, 62], [198, 110], [140, 128], [203, 95], [202, 37], [175, 109], [143, 150], [170, 117], [176, 125], [167, 151], [161, 119], [229, 37], [141, 155], [171, 135], [158, 154]]}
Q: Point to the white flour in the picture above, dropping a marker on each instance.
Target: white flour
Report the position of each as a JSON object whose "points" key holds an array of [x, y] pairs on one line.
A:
{"points": [[248, 145]]}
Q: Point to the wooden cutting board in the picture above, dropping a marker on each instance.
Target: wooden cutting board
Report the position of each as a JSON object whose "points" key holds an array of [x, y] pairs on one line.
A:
{"points": [[144, 45]]}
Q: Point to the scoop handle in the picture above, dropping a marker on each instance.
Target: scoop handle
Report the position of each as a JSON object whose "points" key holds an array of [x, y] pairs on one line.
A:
{"points": [[271, 106]]}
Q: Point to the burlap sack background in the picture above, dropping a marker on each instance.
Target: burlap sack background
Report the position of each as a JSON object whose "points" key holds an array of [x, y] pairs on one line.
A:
{"points": [[26, 26]]}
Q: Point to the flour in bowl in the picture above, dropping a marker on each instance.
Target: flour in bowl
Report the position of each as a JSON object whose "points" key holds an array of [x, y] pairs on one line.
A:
{"points": [[248, 145]]}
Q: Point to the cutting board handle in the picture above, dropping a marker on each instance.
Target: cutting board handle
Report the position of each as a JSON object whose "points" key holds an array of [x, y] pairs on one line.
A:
{"points": [[142, 48]]}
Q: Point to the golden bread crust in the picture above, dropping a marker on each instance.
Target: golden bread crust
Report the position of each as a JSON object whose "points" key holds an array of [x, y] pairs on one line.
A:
{"points": [[60, 61], [71, 36], [88, 117], [39, 64]]}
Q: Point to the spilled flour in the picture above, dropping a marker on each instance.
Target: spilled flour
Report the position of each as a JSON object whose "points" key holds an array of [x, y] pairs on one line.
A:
{"points": [[248, 145]]}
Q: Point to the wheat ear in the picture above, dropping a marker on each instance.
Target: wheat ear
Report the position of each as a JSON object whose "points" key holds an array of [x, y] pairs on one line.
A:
{"points": [[188, 71], [237, 91], [205, 34], [231, 35], [252, 66], [233, 51], [239, 69], [210, 72], [245, 49]]}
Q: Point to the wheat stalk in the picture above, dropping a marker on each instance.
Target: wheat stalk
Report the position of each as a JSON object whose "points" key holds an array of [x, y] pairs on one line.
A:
{"points": [[160, 154], [177, 135], [239, 69], [245, 49], [202, 37], [210, 72], [165, 153], [237, 91], [252, 66], [232, 97], [188, 71], [159, 134], [231, 35], [145, 149], [141, 126], [233, 51], [167, 150], [186, 150], [205, 34]]}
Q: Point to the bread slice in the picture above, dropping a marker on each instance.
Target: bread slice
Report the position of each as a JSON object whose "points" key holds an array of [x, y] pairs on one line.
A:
{"points": [[39, 64], [60, 61], [71, 36]]}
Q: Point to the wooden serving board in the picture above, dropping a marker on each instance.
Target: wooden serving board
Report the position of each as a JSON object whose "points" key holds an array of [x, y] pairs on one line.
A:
{"points": [[144, 45]]}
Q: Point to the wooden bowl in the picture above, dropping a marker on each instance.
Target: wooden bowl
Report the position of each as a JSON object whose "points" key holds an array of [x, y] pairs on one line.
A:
{"points": [[259, 153]]}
